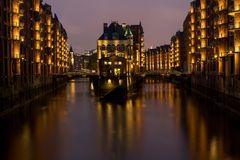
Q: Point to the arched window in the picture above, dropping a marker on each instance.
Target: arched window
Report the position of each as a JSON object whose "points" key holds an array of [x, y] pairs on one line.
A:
{"points": [[103, 47], [118, 47], [122, 48], [113, 48], [109, 47]]}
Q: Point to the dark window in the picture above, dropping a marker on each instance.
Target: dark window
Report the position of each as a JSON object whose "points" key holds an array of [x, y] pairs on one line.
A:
{"points": [[1, 67], [232, 64], [110, 48], [113, 48], [1, 48], [103, 47], [4, 3], [122, 48], [5, 48]]}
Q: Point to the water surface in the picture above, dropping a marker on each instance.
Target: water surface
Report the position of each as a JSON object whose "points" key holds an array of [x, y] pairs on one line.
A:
{"points": [[163, 121]]}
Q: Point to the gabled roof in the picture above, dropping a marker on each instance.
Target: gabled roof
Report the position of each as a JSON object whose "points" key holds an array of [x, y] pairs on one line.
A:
{"points": [[137, 28], [113, 31]]}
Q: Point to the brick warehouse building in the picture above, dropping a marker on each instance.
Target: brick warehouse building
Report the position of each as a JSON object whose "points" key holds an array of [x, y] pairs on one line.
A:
{"points": [[209, 46], [213, 45], [33, 43], [33, 46]]}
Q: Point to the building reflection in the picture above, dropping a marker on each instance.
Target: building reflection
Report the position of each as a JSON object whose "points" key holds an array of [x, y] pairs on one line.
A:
{"points": [[52, 128], [120, 126], [210, 136], [35, 129], [72, 89], [209, 132]]}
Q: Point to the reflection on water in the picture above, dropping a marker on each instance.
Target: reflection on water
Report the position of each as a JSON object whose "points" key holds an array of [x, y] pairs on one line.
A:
{"points": [[162, 121], [120, 127]]}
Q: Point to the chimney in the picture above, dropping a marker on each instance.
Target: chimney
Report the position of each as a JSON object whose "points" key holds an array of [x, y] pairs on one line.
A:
{"points": [[124, 25], [105, 26]]}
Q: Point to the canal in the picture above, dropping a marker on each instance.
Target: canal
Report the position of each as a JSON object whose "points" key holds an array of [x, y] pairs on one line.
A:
{"points": [[162, 121]]}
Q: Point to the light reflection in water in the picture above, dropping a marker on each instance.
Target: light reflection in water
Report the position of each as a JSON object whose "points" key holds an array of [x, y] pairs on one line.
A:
{"points": [[72, 89], [120, 126], [163, 121], [206, 127]]}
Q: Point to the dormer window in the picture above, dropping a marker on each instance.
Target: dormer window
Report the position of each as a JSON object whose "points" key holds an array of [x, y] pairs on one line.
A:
{"points": [[105, 36]]}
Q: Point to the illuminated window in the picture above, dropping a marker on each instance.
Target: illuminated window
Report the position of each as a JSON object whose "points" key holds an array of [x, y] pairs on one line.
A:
{"points": [[37, 45], [37, 36], [117, 71], [37, 26], [203, 24], [203, 14], [15, 20]]}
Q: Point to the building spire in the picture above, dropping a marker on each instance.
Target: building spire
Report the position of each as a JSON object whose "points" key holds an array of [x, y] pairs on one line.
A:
{"points": [[128, 32]]}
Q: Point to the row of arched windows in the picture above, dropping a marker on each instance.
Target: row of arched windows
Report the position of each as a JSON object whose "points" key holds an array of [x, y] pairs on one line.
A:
{"points": [[112, 47]]}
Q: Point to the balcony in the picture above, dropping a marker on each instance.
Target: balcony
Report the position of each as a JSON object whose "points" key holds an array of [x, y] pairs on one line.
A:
{"points": [[237, 48], [233, 28], [15, 10], [15, 24], [21, 25], [16, 37], [232, 11], [221, 22], [222, 8], [20, 1], [21, 12]]}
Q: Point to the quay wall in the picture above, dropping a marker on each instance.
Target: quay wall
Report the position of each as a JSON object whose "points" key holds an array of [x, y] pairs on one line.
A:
{"points": [[225, 91], [16, 96]]}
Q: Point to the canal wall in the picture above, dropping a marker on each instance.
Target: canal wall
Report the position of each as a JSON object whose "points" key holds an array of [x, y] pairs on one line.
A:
{"points": [[225, 91], [16, 96]]}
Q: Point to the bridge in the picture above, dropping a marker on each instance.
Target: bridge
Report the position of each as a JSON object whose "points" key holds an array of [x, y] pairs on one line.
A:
{"points": [[164, 73], [73, 74], [87, 73]]}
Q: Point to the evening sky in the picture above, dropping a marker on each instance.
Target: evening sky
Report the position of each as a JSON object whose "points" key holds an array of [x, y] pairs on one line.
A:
{"points": [[83, 19]]}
